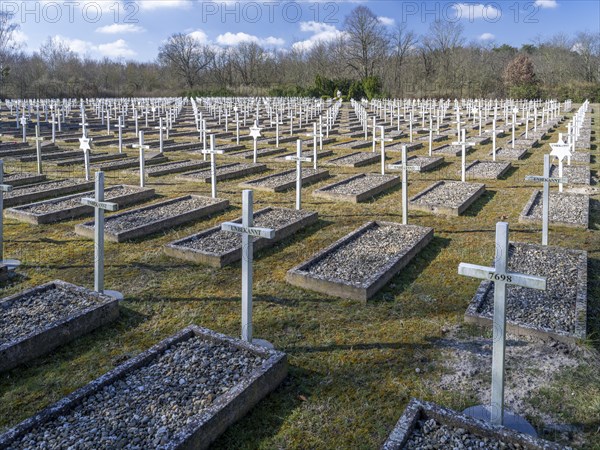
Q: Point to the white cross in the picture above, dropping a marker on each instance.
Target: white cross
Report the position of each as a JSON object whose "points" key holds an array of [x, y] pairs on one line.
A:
{"points": [[405, 168], [10, 263], [255, 134], [560, 150], [213, 165], [315, 134], [120, 125], [160, 129], [299, 159], [276, 122], [84, 144], [142, 148], [382, 139], [248, 232], [463, 143], [513, 124], [38, 149], [546, 179], [500, 276], [53, 122], [494, 132], [24, 124], [83, 125], [99, 206]]}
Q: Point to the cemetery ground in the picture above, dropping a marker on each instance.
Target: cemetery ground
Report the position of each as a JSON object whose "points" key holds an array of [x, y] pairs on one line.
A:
{"points": [[353, 366]]}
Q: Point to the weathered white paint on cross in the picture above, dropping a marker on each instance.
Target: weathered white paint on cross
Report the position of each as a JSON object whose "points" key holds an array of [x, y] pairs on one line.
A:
{"points": [[501, 277], [100, 206], [404, 167], [84, 145], [560, 150], [248, 232], [299, 160], [464, 144], [213, 165], [142, 147], [11, 264], [546, 179], [255, 134]]}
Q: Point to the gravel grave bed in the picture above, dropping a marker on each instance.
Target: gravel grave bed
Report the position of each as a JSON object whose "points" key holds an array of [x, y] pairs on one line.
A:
{"points": [[430, 434], [259, 152], [149, 405], [137, 218], [225, 169], [448, 193], [573, 174], [75, 201], [358, 185], [450, 150], [398, 147], [359, 261], [282, 178], [486, 169], [510, 154], [554, 308], [40, 309], [220, 241], [9, 177], [563, 208], [172, 166], [424, 162], [354, 159], [42, 187]]}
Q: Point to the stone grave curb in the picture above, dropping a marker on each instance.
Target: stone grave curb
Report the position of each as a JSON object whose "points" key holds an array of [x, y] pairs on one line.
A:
{"points": [[441, 209], [337, 288], [311, 179], [177, 249], [128, 164], [86, 229], [250, 153], [51, 193], [227, 408], [525, 216], [53, 335], [160, 173], [437, 161], [507, 167], [309, 152], [519, 156], [355, 198], [123, 201], [419, 410], [34, 179], [472, 315], [98, 157]]}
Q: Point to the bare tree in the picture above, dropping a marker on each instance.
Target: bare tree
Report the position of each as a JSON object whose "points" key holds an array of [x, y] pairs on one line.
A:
{"points": [[186, 56], [404, 42], [587, 46], [367, 41]]}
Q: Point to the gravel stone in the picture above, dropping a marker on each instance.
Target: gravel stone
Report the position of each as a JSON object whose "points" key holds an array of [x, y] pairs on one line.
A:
{"points": [[358, 185], [42, 187], [225, 169], [350, 159], [429, 434], [8, 177], [360, 260], [448, 193], [40, 309], [150, 405], [511, 154], [220, 242], [486, 169], [553, 308], [73, 202], [565, 208], [171, 165]]}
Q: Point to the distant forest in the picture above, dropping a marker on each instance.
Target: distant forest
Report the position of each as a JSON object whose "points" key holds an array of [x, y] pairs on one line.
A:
{"points": [[367, 60]]}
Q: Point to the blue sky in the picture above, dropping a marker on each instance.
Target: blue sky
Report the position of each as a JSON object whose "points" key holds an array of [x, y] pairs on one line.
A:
{"points": [[125, 29]]}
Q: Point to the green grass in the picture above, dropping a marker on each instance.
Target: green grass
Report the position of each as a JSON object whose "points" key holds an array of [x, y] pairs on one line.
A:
{"points": [[352, 365]]}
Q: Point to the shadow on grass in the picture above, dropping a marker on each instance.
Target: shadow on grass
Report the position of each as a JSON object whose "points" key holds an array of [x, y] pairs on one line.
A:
{"points": [[269, 415], [594, 220], [480, 203], [593, 306], [509, 173], [411, 271]]}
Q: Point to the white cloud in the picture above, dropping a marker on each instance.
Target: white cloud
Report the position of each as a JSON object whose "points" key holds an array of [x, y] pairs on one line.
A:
{"points": [[472, 11], [116, 49], [546, 3], [322, 32], [162, 4], [199, 35], [387, 21], [20, 37], [487, 37], [232, 39], [120, 28]]}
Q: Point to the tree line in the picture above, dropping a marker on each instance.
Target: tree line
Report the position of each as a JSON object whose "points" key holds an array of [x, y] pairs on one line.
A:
{"points": [[366, 59]]}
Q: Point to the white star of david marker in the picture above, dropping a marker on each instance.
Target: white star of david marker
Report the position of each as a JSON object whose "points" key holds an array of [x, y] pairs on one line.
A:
{"points": [[560, 150], [255, 132], [84, 144]]}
